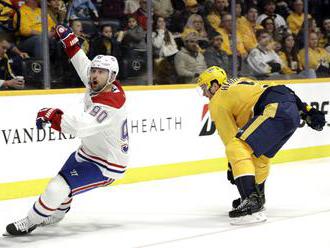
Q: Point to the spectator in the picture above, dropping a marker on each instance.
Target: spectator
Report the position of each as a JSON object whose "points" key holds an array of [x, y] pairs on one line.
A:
{"points": [[134, 36], [15, 56], [325, 35], [319, 58], [131, 6], [162, 39], [263, 60], [312, 27], [105, 43], [248, 28], [269, 26], [163, 8], [180, 18], [289, 56], [189, 62], [7, 11], [30, 27], [82, 9], [141, 15], [282, 8], [269, 11], [215, 56], [296, 18], [57, 10], [77, 29], [225, 30], [219, 8], [195, 23], [7, 77]]}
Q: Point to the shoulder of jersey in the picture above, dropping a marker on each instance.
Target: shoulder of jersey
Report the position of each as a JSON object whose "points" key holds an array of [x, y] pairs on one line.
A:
{"points": [[115, 98]]}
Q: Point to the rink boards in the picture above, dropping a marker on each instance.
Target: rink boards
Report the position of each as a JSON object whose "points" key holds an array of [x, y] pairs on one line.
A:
{"points": [[169, 127]]}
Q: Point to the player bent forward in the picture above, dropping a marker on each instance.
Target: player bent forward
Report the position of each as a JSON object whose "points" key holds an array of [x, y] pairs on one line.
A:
{"points": [[102, 127], [254, 121]]}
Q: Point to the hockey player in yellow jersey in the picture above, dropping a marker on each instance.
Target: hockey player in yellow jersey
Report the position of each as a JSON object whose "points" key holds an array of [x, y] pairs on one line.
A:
{"points": [[254, 121]]}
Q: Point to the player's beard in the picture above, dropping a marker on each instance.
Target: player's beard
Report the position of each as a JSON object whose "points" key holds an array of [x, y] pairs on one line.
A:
{"points": [[96, 87]]}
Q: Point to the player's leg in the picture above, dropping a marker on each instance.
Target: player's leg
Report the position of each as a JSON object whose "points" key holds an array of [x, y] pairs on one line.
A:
{"points": [[47, 204], [262, 166], [84, 176], [239, 154]]}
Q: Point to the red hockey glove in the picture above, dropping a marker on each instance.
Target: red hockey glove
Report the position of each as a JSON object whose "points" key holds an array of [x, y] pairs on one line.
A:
{"points": [[49, 115], [69, 40]]}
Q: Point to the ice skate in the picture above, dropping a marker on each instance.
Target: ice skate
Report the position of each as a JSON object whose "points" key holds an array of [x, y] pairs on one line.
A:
{"points": [[19, 228], [249, 211], [238, 201]]}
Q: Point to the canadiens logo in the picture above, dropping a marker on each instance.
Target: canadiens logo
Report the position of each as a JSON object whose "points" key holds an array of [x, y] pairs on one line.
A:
{"points": [[208, 125]]}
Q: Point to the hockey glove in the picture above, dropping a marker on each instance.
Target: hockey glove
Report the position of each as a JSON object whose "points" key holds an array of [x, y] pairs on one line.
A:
{"points": [[230, 175], [49, 115], [69, 40], [313, 117]]}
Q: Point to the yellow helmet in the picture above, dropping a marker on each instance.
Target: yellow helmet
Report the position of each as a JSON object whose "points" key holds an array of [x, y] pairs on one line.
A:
{"points": [[210, 74]]}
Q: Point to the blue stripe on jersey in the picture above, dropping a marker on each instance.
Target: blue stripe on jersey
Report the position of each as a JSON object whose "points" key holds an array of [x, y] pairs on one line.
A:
{"points": [[43, 215], [93, 161]]}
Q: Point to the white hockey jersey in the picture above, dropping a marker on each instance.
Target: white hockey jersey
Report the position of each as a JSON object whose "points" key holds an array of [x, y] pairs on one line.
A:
{"points": [[102, 126]]}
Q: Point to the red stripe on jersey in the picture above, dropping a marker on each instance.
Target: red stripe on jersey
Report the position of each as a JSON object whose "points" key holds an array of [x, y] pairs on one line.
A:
{"points": [[44, 206], [115, 99], [103, 160]]}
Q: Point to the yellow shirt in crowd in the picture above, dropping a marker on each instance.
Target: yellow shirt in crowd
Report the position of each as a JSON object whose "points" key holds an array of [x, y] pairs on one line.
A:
{"points": [[295, 21], [231, 106], [286, 69], [5, 12], [31, 20], [226, 43], [317, 57], [248, 33]]}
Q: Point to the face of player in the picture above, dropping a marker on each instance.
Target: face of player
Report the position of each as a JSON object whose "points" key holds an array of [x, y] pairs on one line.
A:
{"points": [[211, 91], [98, 78]]}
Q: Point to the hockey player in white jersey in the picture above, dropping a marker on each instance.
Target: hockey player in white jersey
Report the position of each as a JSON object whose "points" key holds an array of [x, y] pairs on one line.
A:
{"points": [[102, 127]]}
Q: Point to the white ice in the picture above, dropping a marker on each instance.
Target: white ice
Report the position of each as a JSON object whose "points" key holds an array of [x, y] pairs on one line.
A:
{"points": [[188, 212]]}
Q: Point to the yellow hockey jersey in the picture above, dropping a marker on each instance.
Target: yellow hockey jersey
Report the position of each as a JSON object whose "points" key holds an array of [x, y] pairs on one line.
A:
{"points": [[232, 105]]}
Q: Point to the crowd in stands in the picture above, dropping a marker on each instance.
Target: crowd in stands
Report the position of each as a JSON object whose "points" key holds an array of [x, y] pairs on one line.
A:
{"points": [[187, 37]]}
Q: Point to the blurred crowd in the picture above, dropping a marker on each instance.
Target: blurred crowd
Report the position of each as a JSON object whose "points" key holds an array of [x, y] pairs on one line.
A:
{"points": [[187, 37]]}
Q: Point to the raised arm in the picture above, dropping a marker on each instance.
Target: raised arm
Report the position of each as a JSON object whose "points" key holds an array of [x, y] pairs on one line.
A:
{"points": [[72, 48]]}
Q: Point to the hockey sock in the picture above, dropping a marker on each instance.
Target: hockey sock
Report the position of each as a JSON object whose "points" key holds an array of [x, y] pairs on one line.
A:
{"points": [[245, 186], [56, 193]]}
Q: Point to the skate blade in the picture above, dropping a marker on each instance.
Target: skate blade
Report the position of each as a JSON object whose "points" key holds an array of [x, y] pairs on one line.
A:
{"points": [[255, 218]]}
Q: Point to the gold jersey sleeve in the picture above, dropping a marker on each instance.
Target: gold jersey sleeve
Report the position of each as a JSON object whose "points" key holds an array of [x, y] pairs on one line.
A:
{"points": [[232, 105]]}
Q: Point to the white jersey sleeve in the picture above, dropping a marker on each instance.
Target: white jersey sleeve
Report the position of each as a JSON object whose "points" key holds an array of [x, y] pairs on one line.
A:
{"points": [[82, 65]]}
